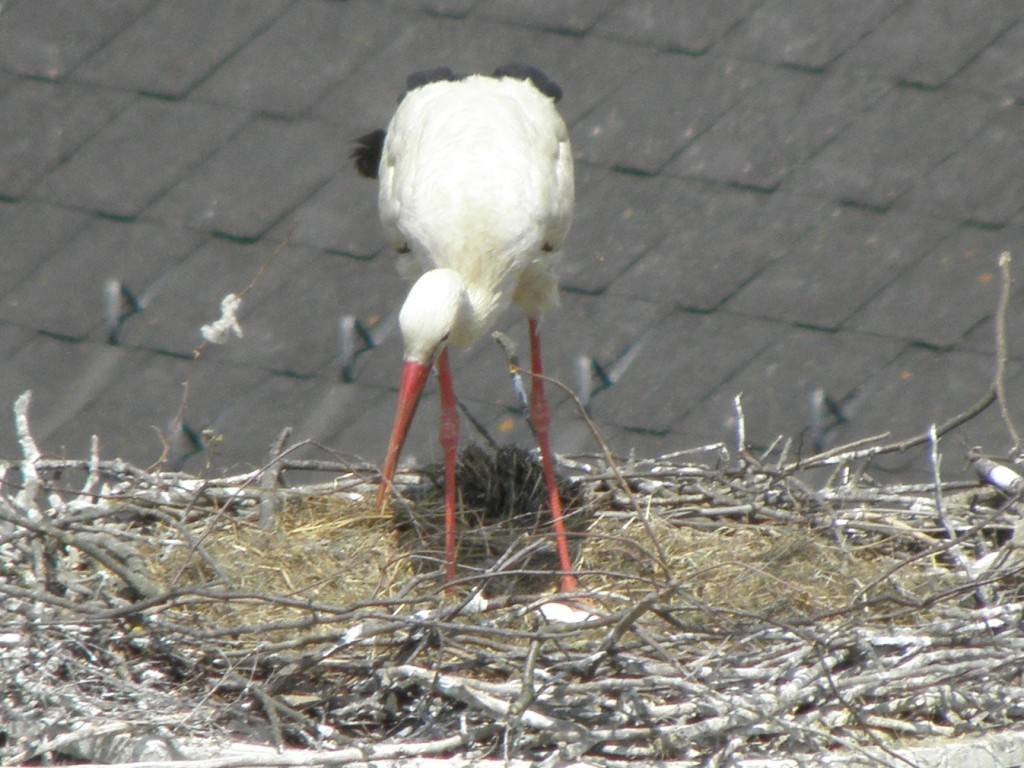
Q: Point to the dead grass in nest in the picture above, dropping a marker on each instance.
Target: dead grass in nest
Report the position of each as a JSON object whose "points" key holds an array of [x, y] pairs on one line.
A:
{"points": [[318, 551], [787, 570], [325, 552]]}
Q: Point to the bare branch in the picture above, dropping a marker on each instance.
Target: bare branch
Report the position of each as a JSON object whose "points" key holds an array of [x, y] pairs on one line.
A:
{"points": [[999, 384]]}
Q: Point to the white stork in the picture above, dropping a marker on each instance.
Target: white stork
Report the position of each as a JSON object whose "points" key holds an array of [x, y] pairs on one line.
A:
{"points": [[476, 186]]}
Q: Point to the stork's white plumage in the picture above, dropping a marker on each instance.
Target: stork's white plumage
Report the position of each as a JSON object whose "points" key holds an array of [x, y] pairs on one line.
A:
{"points": [[476, 187]]}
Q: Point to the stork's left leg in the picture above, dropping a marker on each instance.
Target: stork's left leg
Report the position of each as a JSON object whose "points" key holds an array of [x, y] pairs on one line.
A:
{"points": [[449, 440], [540, 416]]}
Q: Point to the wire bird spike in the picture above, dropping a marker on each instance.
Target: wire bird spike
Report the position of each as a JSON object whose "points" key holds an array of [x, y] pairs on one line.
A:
{"points": [[120, 305], [509, 348]]}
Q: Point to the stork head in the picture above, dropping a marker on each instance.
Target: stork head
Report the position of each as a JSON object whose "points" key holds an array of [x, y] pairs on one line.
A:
{"points": [[435, 306]]}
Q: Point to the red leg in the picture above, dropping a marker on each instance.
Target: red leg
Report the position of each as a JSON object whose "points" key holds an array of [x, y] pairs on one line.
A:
{"points": [[540, 415], [450, 446]]}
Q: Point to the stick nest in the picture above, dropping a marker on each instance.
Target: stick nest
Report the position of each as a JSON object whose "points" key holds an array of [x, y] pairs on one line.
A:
{"points": [[737, 610]]}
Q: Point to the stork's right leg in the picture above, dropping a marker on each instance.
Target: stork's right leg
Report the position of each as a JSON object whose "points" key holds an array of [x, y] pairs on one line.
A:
{"points": [[540, 416]]}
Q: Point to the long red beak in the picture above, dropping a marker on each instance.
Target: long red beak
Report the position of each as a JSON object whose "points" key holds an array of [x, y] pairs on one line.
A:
{"points": [[414, 378]]}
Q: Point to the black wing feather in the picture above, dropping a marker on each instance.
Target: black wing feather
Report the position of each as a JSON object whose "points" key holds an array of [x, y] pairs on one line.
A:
{"points": [[540, 81], [367, 153], [427, 76]]}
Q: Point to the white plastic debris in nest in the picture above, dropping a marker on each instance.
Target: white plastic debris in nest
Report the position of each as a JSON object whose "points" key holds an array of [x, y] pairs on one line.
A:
{"points": [[1002, 477]]}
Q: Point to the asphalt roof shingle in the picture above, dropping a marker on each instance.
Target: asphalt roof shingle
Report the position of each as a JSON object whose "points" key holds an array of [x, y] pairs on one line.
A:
{"points": [[773, 197]]}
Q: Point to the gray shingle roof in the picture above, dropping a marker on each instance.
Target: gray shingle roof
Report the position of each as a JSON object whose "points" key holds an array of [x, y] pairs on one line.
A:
{"points": [[773, 197]]}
